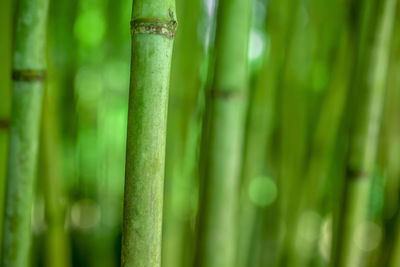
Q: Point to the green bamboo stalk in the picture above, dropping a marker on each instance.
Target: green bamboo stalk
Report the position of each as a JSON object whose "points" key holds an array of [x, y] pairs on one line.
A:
{"points": [[325, 134], [57, 249], [388, 159], [293, 114], [258, 134], [369, 89], [259, 128], [325, 138], [29, 63], [395, 253], [261, 124], [182, 139], [392, 191], [5, 70], [153, 30], [225, 128]]}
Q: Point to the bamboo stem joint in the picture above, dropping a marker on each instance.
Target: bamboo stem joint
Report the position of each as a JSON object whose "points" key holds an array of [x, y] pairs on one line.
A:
{"points": [[28, 75], [158, 26], [226, 94]]}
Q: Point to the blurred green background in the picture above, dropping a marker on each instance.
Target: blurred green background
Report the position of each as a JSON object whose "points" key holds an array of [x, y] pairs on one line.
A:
{"points": [[301, 59]]}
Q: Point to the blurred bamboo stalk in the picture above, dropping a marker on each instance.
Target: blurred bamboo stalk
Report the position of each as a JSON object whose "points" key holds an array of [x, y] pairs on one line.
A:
{"points": [[389, 158], [223, 146], [29, 64], [57, 245], [260, 123], [377, 22], [183, 136], [153, 30], [293, 113], [395, 255], [55, 171], [325, 134], [6, 12]]}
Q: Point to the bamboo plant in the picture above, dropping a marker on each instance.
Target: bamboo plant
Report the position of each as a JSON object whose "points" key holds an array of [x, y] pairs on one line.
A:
{"points": [[153, 30], [376, 21], [28, 74], [224, 124]]}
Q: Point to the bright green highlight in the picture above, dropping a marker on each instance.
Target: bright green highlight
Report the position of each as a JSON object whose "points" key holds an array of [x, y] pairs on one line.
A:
{"points": [[262, 191]]}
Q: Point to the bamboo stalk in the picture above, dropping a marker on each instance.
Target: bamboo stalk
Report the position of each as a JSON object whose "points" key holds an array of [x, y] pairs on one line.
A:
{"points": [[153, 30], [294, 113], [392, 148], [325, 134], [57, 245], [182, 139], [5, 70], [395, 253], [225, 126], [317, 174], [259, 128], [28, 74], [281, 20], [370, 81]]}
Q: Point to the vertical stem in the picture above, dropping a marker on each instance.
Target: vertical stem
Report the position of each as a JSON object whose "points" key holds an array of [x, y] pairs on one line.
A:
{"points": [[395, 255], [153, 28], [222, 151], [5, 72], [28, 74], [57, 250], [182, 138], [261, 120], [369, 89]]}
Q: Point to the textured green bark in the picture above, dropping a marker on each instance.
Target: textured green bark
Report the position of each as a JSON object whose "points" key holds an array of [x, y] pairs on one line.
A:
{"points": [[28, 65], [225, 126], [147, 117], [377, 22]]}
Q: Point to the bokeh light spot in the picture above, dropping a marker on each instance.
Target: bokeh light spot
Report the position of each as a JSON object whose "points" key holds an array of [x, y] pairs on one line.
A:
{"points": [[90, 27], [262, 191], [326, 239], [256, 46], [368, 236], [85, 214]]}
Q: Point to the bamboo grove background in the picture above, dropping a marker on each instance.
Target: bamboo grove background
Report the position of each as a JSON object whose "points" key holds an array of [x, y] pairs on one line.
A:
{"points": [[282, 134]]}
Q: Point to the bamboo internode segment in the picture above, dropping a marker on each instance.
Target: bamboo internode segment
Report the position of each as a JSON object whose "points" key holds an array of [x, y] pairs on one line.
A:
{"points": [[28, 75], [146, 131], [158, 26]]}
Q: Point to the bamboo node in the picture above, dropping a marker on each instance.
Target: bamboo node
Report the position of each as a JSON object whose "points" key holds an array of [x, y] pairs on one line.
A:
{"points": [[355, 174], [4, 124], [158, 26], [28, 75], [226, 94]]}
